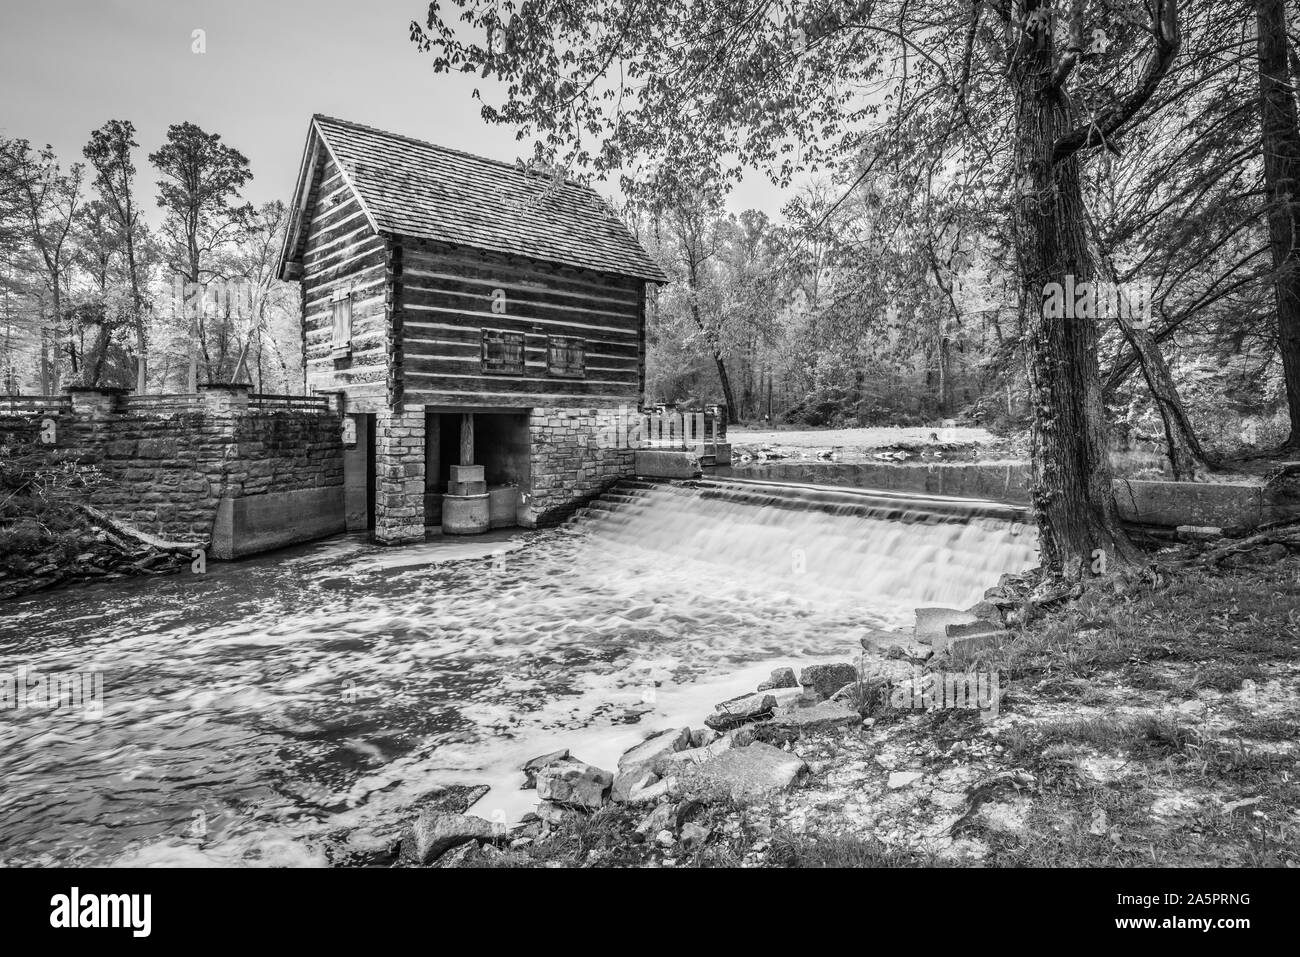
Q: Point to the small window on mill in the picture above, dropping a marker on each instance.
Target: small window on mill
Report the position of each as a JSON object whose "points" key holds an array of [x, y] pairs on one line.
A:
{"points": [[565, 356], [503, 352]]}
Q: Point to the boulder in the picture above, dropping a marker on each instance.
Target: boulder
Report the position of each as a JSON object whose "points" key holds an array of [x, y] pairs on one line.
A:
{"points": [[694, 836], [703, 737], [536, 764], [780, 678], [649, 793], [742, 710], [663, 817], [825, 680], [653, 752], [574, 784], [875, 639], [909, 651], [436, 832], [888, 671], [556, 814], [684, 759], [626, 782], [747, 774], [986, 611]]}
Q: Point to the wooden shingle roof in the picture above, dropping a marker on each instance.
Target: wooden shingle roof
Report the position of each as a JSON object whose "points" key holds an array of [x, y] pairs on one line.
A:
{"points": [[412, 188]]}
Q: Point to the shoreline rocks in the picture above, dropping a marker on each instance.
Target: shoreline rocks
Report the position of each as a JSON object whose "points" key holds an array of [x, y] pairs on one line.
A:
{"points": [[531, 768], [824, 680], [741, 710], [435, 832], [573, 783], [780, 678]]}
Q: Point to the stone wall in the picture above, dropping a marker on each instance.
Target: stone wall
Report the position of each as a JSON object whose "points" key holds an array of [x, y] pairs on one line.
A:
{"points": [[575, 456], [168, 467], [399, 476]]}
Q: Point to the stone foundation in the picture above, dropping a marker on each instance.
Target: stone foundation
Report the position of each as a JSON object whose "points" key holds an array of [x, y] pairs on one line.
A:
{"points": [[572, 459], [399, 476]]}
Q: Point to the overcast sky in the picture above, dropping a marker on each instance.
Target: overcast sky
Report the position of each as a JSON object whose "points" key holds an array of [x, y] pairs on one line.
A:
{"points": [[66, 66]]}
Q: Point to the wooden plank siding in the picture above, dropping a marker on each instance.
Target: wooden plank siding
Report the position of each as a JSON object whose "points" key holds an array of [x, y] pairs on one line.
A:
{"points": [[340, 250], [444, 302]]}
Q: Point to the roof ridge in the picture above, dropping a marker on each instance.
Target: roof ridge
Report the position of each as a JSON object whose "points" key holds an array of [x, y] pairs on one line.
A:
{"points": [[515, 167]]}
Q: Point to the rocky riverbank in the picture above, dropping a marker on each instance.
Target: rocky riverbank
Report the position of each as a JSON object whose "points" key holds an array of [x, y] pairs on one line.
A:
{"points": [[1138, 721], [85, 546]]}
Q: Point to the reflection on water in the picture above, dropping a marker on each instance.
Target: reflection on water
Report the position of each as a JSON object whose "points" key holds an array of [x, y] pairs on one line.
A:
{"points": [[294, 709]]}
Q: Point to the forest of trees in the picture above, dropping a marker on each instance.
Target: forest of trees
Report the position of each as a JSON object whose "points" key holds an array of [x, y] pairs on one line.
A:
{"points": [[892, 291], [91, 295], [979, 153]]}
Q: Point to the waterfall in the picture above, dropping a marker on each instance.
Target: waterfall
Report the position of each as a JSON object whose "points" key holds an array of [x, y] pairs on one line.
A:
{"points": [[925, 549]]}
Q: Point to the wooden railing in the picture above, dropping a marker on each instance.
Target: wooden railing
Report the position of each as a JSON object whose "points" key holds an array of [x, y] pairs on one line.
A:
{"points": [[162, 404], [35, 404], [289, 403], [663, 428]]}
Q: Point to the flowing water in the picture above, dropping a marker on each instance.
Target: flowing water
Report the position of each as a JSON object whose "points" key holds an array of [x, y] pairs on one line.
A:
{"points": [[295, 708]]}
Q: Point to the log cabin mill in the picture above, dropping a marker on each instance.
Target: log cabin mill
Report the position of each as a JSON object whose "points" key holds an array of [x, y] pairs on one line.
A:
{"points": [[481, 326]]}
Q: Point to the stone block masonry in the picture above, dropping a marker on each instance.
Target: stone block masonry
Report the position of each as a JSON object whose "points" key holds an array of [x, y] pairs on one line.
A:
{"points": [[399, 476], [202, 468], [571, 461]]}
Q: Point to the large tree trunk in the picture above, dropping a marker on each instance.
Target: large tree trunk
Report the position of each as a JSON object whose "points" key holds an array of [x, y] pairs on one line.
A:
{"points": [[137, 309], [733, 415], [196, 328], [945, 372], [1281, 145], [1073, 495]]}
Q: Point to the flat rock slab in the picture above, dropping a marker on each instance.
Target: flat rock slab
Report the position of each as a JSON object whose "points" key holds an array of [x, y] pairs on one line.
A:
{"points": [[654, 751], [738, 711], [747, 774], [827, 714], [453, 799], [969, 638], [931, 623]]}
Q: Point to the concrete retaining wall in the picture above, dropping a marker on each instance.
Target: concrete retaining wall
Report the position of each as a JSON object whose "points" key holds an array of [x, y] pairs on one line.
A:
{"points": [[1225, 505]]}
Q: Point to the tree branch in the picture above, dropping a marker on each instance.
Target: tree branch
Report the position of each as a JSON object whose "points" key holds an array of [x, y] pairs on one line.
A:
{"points": [[1165, 48]]}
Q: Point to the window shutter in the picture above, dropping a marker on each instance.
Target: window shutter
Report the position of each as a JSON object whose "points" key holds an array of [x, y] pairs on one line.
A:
{"points": [[341, 306], [565, 356], [503, 352]]}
